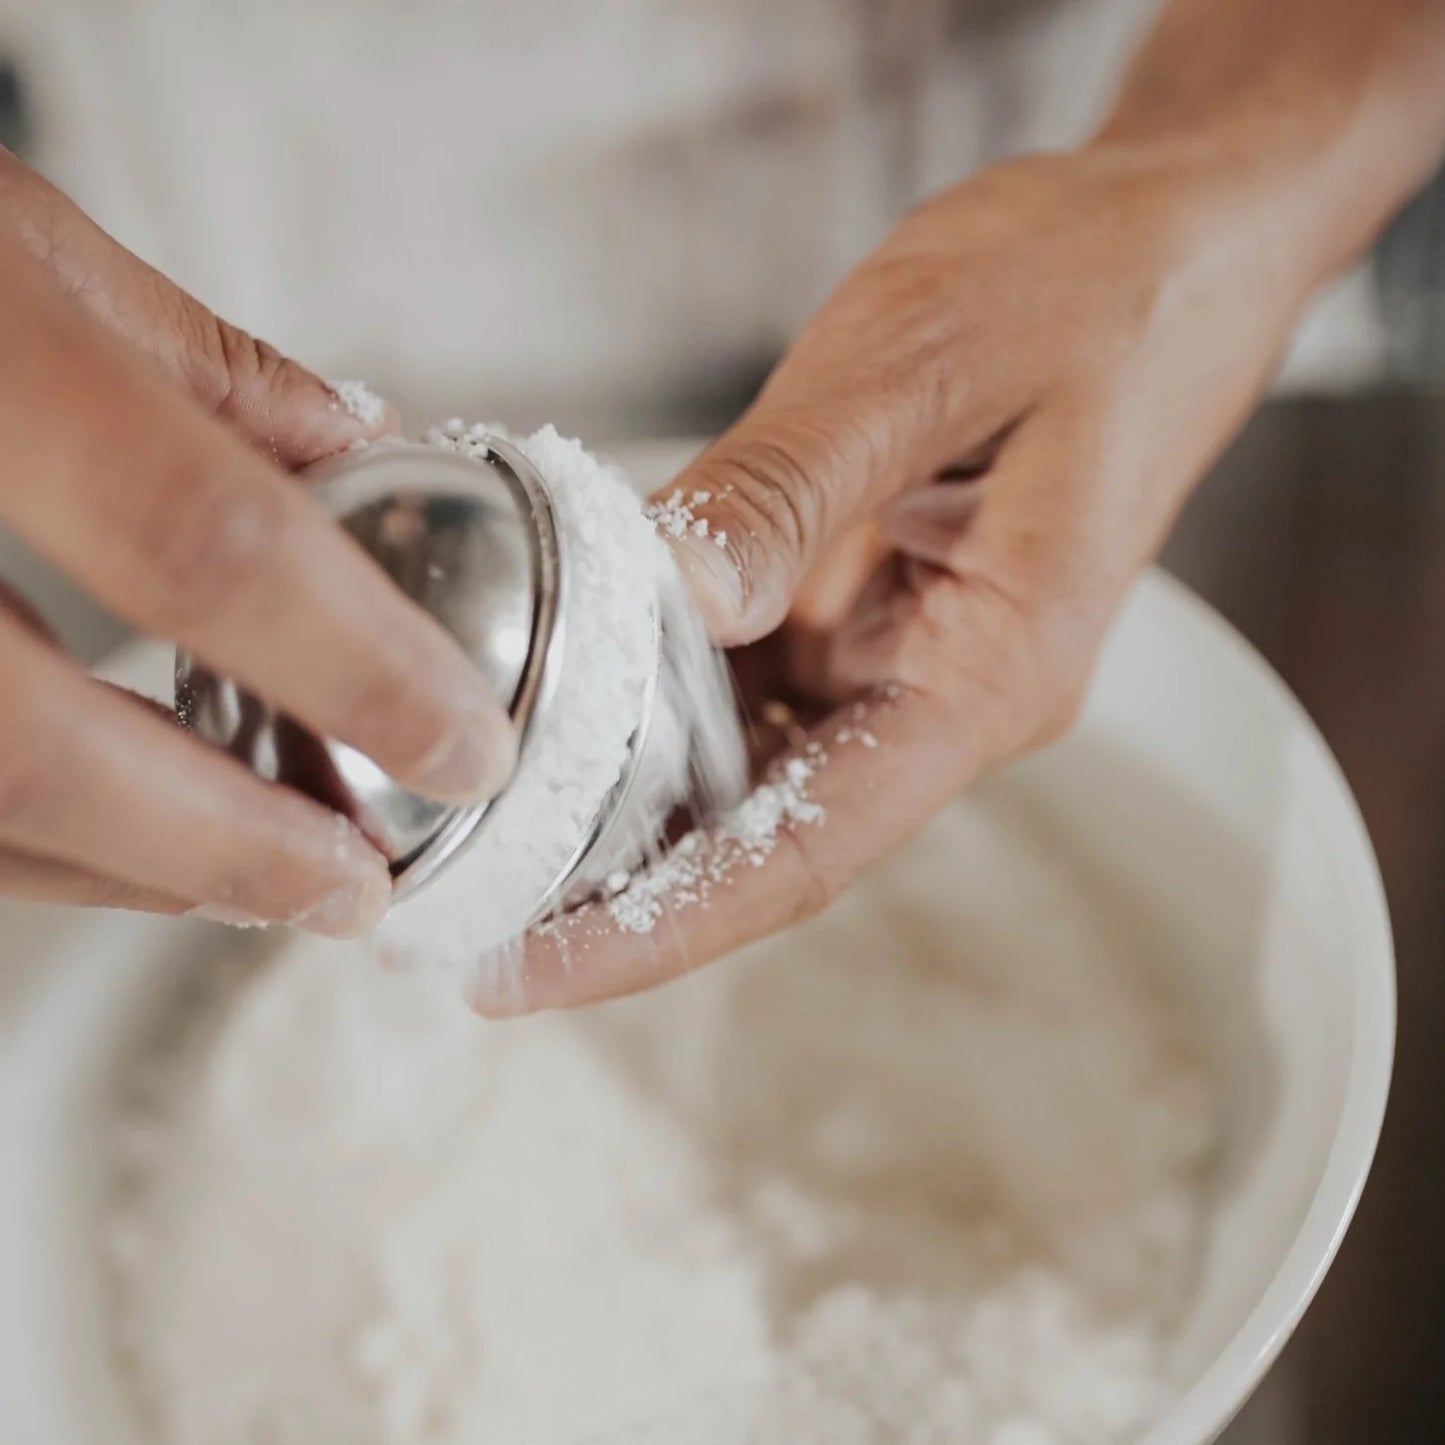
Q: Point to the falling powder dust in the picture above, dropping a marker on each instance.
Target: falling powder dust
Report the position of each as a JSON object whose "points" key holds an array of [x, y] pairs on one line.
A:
{"points": [[701, 860], [927, 1171]]}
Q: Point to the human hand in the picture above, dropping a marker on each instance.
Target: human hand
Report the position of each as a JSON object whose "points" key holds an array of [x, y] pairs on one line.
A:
{"points": [[143, 450], [936, 506]]}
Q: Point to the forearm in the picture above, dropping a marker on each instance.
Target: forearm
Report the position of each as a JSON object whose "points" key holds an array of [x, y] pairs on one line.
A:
{"points": [[1312, 120]]}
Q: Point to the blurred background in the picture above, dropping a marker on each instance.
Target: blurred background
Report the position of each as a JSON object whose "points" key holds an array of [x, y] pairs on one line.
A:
{"points": [[618, 225]]}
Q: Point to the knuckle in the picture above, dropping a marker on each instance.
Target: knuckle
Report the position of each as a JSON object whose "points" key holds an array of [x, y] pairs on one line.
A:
{"points": [[208, 543], [229, 366], [204, 346]]}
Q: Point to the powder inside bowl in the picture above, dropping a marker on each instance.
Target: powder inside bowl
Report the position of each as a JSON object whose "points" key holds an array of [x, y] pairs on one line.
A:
{"points": [[926, 1171]]}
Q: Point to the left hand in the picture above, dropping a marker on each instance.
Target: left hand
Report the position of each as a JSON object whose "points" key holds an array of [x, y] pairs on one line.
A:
{"points": [[146, 447], [940, 499]]}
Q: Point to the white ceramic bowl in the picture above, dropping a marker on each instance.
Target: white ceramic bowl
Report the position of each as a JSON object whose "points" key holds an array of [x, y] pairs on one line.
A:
{"points": [[1198, 792]]}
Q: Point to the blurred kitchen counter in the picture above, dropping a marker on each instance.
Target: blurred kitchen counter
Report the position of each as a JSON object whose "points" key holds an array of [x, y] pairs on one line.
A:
{"points": [[1321, 536]]}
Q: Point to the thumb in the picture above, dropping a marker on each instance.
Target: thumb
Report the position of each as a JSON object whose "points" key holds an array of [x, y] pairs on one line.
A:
{"points": [[750, 515], [278, 405]]}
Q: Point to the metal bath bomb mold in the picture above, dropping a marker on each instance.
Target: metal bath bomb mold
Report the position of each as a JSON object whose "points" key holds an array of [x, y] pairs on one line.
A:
{"points": [[475, 541]]}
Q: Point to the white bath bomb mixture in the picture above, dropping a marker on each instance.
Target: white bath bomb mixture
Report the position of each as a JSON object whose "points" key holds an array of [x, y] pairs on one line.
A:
{"points": [[620, 585], [926, 1171]]}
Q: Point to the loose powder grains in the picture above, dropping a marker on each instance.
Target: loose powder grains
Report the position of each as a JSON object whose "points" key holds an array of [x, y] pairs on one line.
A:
{"points": [[925, 1172], [360, 401], [701, 861]]}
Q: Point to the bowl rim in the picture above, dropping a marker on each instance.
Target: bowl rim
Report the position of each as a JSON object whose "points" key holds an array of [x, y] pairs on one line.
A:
{"points": [[1225, 1385]]}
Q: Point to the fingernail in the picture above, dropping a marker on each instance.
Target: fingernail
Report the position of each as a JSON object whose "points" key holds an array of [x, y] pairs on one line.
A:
{"points": [[356, 907], [352, 417], [476, 761], [712, 574]]}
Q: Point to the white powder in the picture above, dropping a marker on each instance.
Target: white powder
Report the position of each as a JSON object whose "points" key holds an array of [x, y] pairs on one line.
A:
{"points": [[360, 401], [703, 859], [618, 578], [925, 1172], [676, 516], [744, 836]]}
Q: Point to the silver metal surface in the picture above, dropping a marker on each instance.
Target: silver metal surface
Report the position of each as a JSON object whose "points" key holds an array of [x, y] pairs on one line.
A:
{"points": [[475, 542], [576, 881]]}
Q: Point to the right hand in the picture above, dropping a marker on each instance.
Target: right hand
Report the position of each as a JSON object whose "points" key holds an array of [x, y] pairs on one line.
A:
{"points": [[144, 445]]}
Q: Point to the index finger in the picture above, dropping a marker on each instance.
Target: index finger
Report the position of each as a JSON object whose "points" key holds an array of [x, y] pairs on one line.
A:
{"points": [[165, 516]]}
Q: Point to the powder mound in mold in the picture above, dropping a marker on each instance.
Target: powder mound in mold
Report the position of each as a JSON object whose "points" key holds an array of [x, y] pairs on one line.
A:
{"points": [[619, 580]]}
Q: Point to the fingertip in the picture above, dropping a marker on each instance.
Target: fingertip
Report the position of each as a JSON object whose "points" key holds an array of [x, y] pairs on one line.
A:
{"points": [[473, 762], [281, 407], [735, 584], [359, 891], [353, 909], [744, 520], [320, 419], [495, 1009], [288, 411]]}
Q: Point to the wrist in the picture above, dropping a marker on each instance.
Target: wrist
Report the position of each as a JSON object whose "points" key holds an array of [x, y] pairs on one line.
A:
{"points": [[1220, 222], [1305, 123]]}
